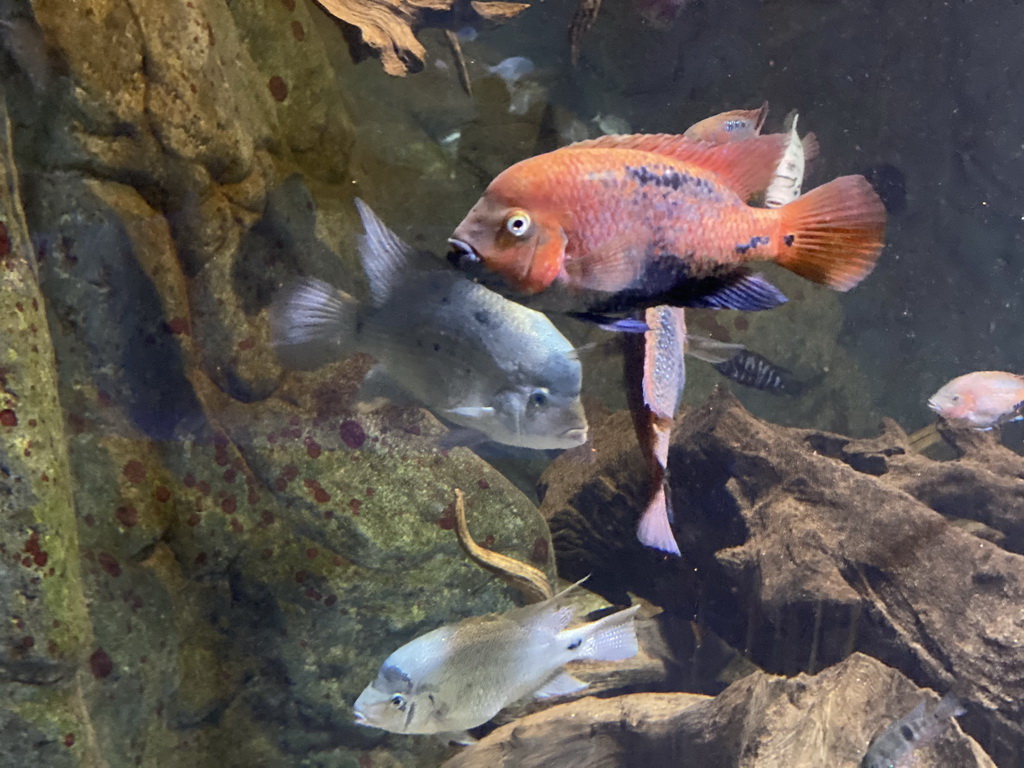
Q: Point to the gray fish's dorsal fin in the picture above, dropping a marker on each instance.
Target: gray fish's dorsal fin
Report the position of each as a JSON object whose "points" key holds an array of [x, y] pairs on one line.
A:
{"points": [[383, 253]]}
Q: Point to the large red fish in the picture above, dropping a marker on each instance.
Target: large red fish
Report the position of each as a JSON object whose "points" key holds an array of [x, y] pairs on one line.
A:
{"points": [[627, 222]]}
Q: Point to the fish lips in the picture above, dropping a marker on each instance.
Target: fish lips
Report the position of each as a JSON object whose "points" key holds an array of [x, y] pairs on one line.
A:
{"points": [[462, 254]]}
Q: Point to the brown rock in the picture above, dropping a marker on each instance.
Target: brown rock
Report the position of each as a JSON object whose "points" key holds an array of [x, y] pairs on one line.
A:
{"points": [[762, 720], [801, 546]]}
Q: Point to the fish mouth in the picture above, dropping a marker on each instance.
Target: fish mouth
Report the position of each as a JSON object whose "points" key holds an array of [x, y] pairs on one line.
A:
{"points": [[933, 405], [462, 253], [360, 719], [576, 434]]}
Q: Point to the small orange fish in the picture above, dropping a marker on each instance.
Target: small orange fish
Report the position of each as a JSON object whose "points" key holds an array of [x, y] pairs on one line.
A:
{"points": [[621, 223], [983, 399], [734, 125]]}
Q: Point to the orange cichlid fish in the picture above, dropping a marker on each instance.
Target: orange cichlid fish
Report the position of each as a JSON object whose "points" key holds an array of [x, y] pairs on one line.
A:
{"points": [[621, 223], [983, 399]]}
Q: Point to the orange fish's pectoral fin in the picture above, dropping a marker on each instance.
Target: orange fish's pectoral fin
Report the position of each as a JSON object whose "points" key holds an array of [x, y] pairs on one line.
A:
{"points": [[746, 167], [833, 234], [609, 269], [734, 125]]}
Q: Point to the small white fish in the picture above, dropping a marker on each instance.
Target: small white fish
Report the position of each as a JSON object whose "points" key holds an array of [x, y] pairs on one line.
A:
{"points": [[610, 125], [513, 69], [893, 747], [524, 95], [461, 675], [467, 34], [786, 184]]}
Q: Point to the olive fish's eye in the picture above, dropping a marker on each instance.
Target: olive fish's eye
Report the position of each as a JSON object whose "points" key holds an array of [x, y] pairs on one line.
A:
{"points": [[518, 223], [398, 700], [539, 398]]}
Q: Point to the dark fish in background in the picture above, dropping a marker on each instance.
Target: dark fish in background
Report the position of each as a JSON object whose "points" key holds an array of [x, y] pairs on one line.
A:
{"points": [[894, 746], [758, 372], [890, 184]]}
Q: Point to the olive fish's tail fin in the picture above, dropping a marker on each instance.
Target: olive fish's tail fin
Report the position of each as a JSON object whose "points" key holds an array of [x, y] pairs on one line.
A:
{"points": [[654, 529], [612, 638], [833, 234], [312, 324]]}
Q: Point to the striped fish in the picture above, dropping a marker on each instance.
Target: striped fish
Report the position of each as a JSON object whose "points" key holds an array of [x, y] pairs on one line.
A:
{"points": [[758, 372]]}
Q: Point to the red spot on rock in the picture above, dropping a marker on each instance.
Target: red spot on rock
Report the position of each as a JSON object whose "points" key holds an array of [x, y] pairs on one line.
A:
{"points": [[100, 664], [127, 516], [252, 497], [162, 493], [300, 577], [31, 422], [193, 520], [69, 740], [204, 487], [540, 551], [369, 492], [312, 594], [741, 323], [352, 434], [267, 517], [311, 553], [278, 88], [321, 496], [246, 344], [28, 642], [447, 518], [289, 4], [294, 421], [189, 480], [8, 418], [488, 542], [5, 241], [230, 475], [35, 551], [89, 520], [201, 558], [355, 505], [328, 514], [297, 31], [271, 438], [313, 449], [413, 430], [179, 326], [280, 484], [330, 600], [236, 526], [289, 472], [483, 485], [229, 505], [266, 554], [109, 564]]}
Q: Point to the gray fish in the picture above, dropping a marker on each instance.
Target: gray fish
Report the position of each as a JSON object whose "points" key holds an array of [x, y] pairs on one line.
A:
{"points": [[461, 675], [893, 747], [758, 372], [475, 358]]}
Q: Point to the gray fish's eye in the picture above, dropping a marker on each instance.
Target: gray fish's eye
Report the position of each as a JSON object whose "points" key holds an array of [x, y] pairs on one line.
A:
{"points": [[398, 701], [539, 398]]}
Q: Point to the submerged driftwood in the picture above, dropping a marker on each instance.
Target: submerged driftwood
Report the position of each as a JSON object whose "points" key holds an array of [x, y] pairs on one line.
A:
{"points": [[801, 547], [822, 720]]}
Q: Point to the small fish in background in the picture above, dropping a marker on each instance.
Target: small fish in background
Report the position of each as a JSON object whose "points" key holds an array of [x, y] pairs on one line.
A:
{"points": [[513, 69], [611, 125], [467, 34], [984, 399], [497, 369], [461, 675], [574, 230], [734, 125], [789, 175], [654, 399], [894, 746], [522, 93], [758, 372]]}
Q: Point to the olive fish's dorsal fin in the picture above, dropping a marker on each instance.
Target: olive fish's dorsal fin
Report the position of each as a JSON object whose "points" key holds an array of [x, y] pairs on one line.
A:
{"points": [[745, 166], [383, 253]]}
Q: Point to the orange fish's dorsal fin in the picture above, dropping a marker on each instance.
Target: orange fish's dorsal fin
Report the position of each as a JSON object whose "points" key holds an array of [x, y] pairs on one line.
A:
{"points": [[746, 167], [736, 124]]}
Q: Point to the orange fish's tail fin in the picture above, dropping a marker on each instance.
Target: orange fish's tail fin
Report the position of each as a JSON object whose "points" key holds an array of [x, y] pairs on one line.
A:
{"points": [[833, 234]]}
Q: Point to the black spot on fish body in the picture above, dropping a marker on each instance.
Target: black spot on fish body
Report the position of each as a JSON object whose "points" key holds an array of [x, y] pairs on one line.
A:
{"points": [[908, 733], [574, 645], [437, 347], [395, 678], [483, 317], [408, 717], [788, 240]]}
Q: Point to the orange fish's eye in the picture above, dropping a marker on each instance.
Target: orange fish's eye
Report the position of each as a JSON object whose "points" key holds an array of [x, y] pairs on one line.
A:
{"points": [[518, 223]]}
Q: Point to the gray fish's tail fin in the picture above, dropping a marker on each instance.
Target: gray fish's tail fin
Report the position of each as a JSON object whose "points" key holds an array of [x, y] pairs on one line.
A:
{"points": [[612, 638], [312, 324]]}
